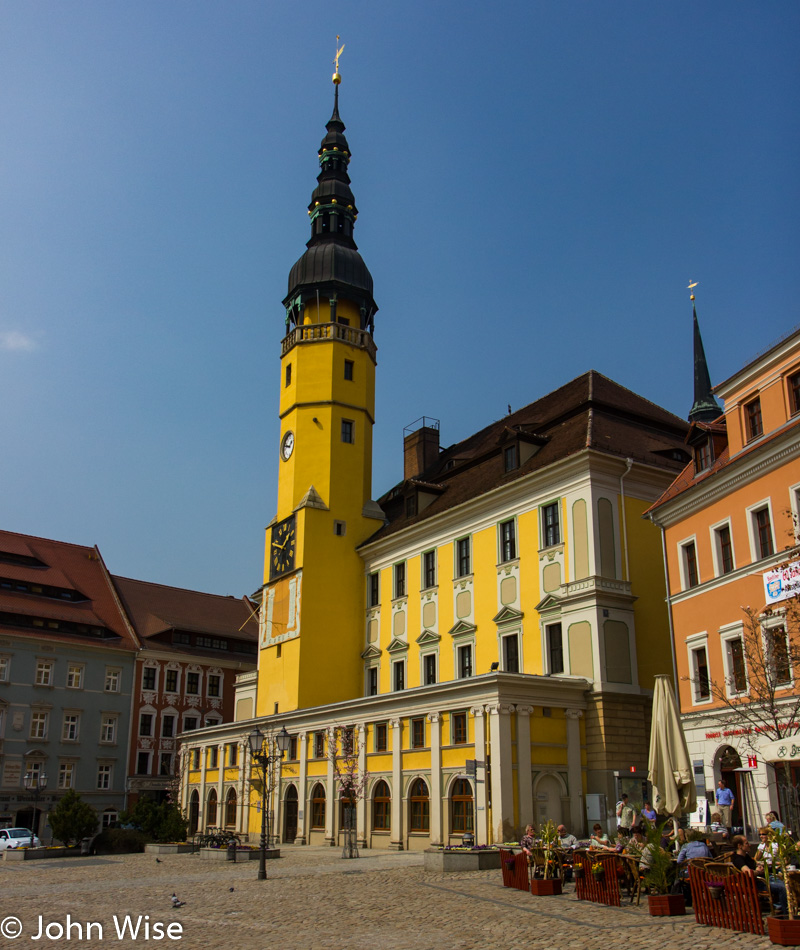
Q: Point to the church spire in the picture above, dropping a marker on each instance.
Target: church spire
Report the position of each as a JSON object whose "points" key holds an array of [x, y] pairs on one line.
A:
{"points": [[332, 268], [705, 408]]}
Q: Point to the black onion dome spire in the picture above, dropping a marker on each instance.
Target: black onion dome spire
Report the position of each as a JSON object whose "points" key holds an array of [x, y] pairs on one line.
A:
{"points": [[332, 265], [705, 408]]}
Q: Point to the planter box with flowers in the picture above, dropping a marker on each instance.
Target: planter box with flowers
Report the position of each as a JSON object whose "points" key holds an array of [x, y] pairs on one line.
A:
{"points": [[169, 847], [446, 860]]}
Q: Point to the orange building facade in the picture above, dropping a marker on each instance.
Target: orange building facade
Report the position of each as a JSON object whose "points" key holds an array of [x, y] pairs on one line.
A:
{"points": [[727, 520]]}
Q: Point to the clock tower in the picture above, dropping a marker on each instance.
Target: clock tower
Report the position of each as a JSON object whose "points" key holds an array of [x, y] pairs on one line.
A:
{"points": [[312, 628]]}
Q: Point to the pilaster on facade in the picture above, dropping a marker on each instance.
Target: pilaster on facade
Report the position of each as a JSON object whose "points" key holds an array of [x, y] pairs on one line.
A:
{"points": [[303, 791], [478, 714], [524, 761], [361, 804], [503, 824], [574, 768], [436, 825], [396, 842], [330, 793]]}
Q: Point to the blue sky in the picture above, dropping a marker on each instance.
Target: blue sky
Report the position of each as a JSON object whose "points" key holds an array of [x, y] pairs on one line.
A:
{"points": [[537, 183]]}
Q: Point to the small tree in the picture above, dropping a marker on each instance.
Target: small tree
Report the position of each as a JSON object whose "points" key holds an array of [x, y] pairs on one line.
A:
{"points": [[160, 821], [344, 746], [73, 819]]}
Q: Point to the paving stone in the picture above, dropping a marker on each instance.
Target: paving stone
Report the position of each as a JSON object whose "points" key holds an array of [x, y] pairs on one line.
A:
{"points": [[314, 899]]}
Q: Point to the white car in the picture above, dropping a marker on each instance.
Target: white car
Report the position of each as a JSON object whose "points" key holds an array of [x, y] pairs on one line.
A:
{"points": [[18, 838]]}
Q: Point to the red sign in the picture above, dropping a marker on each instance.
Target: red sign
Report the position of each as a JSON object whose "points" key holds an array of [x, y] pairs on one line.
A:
{"points": [[752, 762]]}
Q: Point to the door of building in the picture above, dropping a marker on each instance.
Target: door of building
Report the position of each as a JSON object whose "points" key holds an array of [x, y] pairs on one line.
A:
{"points": [[290, 815]]}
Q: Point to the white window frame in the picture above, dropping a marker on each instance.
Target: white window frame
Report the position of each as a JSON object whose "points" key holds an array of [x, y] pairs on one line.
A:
{"points": [[543, 529], [794, 507], [193, 715], [367, 673], [5, 668], [151, 734], [108, 729], [173, 717], [108, 818], [41, 716], [699, 641], [75, 675], [684, 574], [111, 683], [501, 558], [149, 754], [44, 673], [505, 636], [458, 647], [395, 665], [464, 539], [66, 774], [218, 678], [548, 665], [404, 594], [716, 547], [151, 666], [431, 552], [71, 726], [423, 657], [779, 619], [199, 675], [177, 671], [752, 527], [727, 635], [105, 776]]}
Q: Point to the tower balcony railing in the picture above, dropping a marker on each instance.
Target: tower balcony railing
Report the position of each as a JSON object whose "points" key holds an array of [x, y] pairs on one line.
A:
{"points": [[325, 332]]}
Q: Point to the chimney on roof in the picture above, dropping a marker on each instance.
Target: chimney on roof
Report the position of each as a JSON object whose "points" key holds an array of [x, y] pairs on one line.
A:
{"points": [[420, 446]]}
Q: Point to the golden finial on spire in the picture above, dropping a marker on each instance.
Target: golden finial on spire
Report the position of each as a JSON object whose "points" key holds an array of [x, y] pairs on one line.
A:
{"points": [[340, 49], [691, 287]]}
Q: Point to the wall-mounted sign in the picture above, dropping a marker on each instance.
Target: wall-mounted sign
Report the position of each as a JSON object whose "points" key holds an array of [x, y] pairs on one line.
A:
{"points": [[782, 584]]}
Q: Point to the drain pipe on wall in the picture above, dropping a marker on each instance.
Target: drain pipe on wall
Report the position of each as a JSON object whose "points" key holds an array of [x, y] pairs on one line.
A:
{"points": [[629, 466], [669, 610]]}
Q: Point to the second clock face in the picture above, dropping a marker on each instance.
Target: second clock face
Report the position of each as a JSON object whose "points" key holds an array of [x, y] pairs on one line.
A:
{"points": [[282, 545], [287, 446]]}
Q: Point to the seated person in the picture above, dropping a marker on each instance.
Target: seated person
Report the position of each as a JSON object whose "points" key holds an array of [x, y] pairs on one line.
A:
{"points": [[774, 821], [526, 841], [742, 861], [767, 848], [637, 841], [716, 826], [695, 847], [565, 839], [599, 839]]}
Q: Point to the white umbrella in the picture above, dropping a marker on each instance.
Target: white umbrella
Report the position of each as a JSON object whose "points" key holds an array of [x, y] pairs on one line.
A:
{"points": [[669, 764]]}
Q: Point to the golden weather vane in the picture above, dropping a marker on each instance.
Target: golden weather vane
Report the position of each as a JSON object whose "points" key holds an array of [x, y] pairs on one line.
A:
{"points": [[691, 286], [340, 49]]}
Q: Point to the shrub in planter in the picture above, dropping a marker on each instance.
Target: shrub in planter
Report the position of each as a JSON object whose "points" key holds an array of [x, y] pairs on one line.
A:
{"points": [[72, 819], [119, 841]]}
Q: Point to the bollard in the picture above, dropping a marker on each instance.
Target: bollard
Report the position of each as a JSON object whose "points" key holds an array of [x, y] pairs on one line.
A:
{"points": [[232, 851]]}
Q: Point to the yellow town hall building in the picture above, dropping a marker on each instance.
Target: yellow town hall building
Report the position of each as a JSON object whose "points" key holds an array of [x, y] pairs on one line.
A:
{"points": [[487, 632]]}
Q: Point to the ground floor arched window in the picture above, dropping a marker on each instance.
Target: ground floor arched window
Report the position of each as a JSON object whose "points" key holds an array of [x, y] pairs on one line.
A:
{"points": [[461, 807], [194, 812], [419, 807], [230, 808], [318, 806], [211, 811], [381, 807]]}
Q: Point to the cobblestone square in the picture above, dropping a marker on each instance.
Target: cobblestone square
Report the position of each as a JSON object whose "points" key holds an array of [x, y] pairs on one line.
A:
{"points": [[315, 900]]}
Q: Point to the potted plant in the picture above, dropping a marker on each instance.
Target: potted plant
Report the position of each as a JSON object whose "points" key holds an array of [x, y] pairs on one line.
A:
{"points": [[550, 883], [785, 859], [659, 877]]}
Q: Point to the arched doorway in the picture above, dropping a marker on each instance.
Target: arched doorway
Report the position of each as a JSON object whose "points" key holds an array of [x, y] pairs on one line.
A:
{"points": [[547, 796], [290, 815], [728, 762], [230, 809], [194, 812], [211, 810]]}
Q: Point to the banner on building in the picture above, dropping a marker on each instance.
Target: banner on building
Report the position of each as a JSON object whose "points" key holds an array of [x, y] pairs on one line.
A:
{"points": [[782, 584]]}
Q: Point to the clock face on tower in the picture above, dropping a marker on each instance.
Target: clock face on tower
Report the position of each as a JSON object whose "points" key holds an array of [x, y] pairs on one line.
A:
{"points": [[281, 556], [287, 445]]}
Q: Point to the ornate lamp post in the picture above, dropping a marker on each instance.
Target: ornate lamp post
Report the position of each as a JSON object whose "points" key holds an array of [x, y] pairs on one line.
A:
{"points": [[260, 755], [35, 782]]}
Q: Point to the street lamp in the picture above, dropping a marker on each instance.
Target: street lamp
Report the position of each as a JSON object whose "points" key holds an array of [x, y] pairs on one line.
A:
{"points": [[259, 753], [35, 782]]}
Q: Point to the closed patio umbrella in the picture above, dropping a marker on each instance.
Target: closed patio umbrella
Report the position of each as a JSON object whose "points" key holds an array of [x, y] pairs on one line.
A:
{"points": [[669, 764]]}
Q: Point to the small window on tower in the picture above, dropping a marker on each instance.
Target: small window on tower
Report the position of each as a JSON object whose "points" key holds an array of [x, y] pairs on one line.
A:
{"points": [[339, 528], [348, 369], [288, 374], [348, 431]]}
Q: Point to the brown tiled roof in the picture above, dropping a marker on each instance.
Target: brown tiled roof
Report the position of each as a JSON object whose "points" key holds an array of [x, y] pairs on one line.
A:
{"points": [[590, 412], [688, 478], [155, 609], [72, 567]]}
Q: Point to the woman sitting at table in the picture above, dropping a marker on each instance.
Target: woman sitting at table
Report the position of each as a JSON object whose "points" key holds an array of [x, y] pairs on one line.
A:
{"points": [[527, 842], [598, 841]]}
